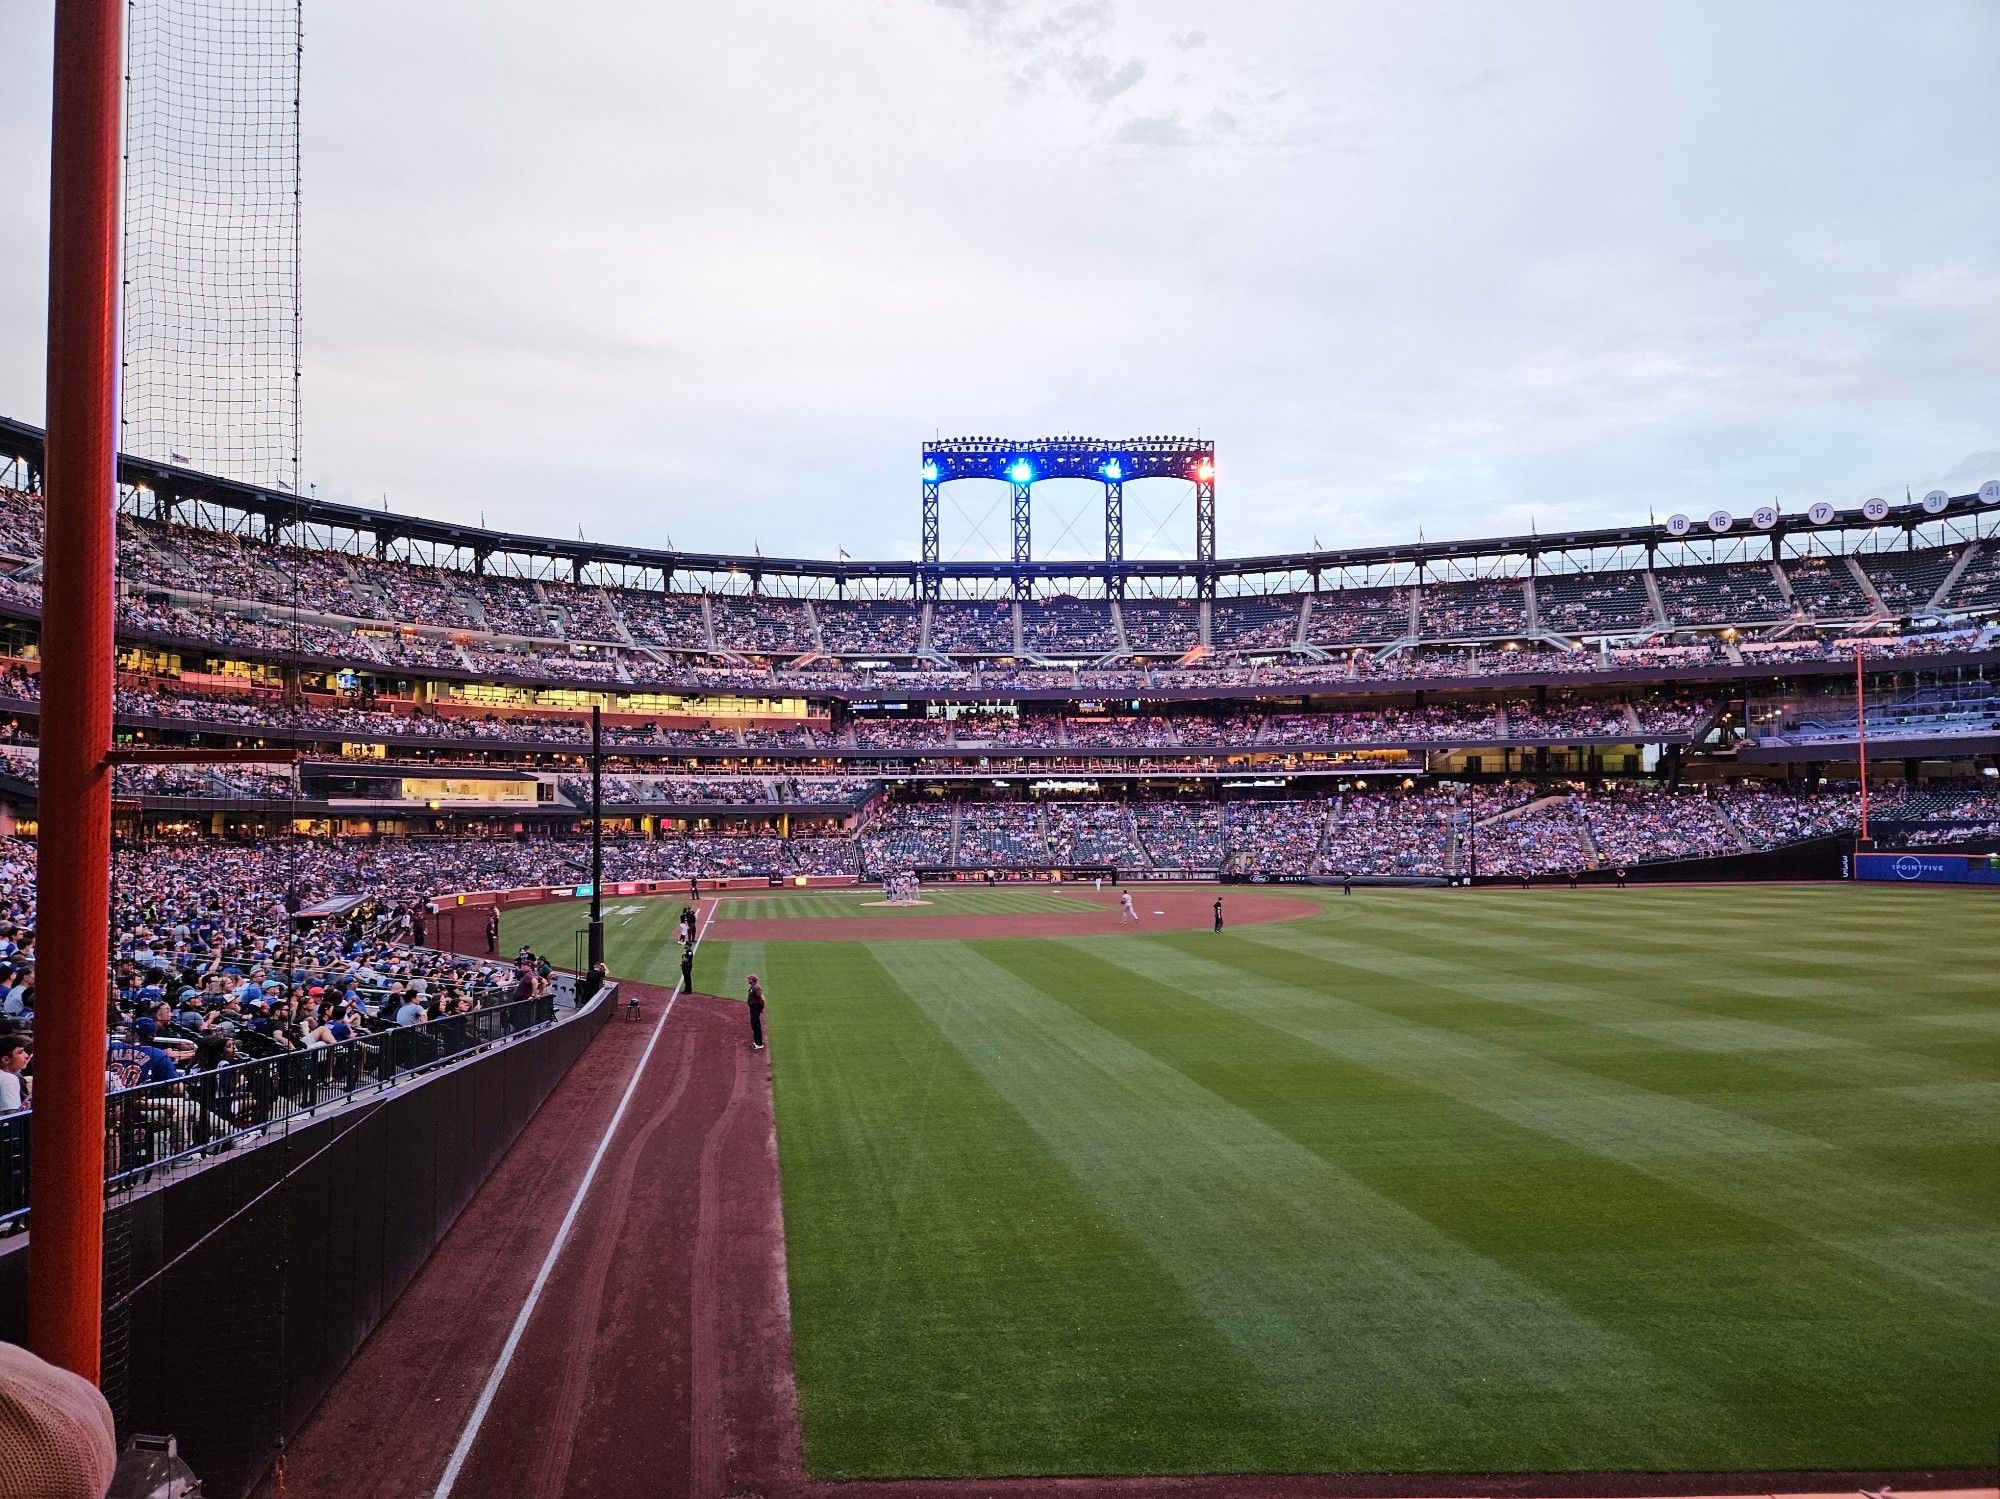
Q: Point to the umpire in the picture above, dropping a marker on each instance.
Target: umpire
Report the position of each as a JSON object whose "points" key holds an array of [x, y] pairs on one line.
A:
{"points": [[755, 1000]]}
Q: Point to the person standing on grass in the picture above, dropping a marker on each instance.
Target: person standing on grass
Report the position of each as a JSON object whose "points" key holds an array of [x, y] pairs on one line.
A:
{"points": [[687, 969], [1218, 913], [755, 999]]}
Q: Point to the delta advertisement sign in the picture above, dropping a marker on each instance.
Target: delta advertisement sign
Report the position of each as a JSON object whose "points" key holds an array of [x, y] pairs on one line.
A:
{"points": [[1928, 868]]}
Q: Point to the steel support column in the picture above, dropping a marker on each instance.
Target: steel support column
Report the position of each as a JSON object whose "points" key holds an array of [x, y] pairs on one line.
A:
{"points": [[595, 945], [1114, 536], [66, 1253], [1204, 534], [930, 520], [1023, 543]]}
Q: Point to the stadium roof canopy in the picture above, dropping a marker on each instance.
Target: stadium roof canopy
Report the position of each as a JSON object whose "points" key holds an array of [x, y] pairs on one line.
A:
{"points": [[283, 516]]}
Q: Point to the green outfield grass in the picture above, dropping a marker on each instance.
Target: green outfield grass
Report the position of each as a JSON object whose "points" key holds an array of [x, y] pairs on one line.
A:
{"points": [[1434, 1180]]}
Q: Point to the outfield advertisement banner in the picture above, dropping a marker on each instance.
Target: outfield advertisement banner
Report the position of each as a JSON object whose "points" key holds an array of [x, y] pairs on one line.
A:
{"points": [[1928, 868]]}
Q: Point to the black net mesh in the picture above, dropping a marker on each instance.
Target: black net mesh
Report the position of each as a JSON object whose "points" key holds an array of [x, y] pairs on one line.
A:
{"points": [[212, 225]]}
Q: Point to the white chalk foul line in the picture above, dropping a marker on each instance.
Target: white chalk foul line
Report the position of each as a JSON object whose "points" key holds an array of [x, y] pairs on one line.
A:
{"points": [[485, 1403]]}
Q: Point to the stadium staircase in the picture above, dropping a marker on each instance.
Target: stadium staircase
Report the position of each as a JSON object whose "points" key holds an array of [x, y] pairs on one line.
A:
{"points": [[1129, 825], [1299, 641], [1509, 813], [1328, 815], [1784, 587], [1867, 586], [1597, 859], [1204, 611], [1653, 598], [1014, 612], [957, 818], [1394, 647], [1534, 606], [618, 625], [707, 624], [379, 601], [1743, 839], [471, 610], [556, 615], [1118, 629], [1937, 600], [267, 565], [924, 630]]}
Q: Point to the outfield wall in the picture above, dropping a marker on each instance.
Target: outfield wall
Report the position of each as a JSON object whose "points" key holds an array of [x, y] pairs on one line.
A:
{"points": [[253, 1281], [1814, 859], [1927, 866]]}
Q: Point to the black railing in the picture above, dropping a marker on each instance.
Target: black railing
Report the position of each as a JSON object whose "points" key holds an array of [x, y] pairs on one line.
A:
{"points": [[152, 1127]]}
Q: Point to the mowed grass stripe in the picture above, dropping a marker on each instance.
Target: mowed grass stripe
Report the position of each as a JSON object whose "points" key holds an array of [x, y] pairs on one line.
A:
{"points": [[1596, 985], [1809, 1176], [1894, 1023], [1800, 1185], [960, 1305], [1356, 1311], [1840, 945], [1832, 953], [1839, 1093], [1627, 1246]]}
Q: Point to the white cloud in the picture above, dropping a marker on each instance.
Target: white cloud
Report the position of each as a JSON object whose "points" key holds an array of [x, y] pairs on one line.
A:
{"points": [[1442, 265]]}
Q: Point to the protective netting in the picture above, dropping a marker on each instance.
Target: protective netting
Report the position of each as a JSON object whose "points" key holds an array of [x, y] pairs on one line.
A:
{"points": [[212, 236]]}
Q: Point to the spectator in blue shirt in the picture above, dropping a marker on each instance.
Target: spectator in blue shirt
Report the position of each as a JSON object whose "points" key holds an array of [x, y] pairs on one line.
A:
{"points": [[137, 1061]]}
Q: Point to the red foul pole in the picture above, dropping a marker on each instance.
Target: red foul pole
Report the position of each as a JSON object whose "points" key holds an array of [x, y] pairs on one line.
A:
{"points": [[1861, 738], [66, 1254]]}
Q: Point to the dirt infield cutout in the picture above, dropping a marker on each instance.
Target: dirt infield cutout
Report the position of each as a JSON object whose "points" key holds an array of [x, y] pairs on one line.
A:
{"points": [[1176, 909]]}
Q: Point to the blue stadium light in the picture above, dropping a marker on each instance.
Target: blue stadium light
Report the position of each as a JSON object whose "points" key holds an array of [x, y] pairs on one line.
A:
{"points": [[1020, 472], [1113, 471], [930, 471]]}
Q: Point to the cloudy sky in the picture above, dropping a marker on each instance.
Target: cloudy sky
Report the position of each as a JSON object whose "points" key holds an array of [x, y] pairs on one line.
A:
{"points": [[713, 273]]}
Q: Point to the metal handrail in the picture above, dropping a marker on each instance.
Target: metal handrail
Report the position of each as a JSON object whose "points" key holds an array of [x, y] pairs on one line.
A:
{"points": [[155, 1126]]}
